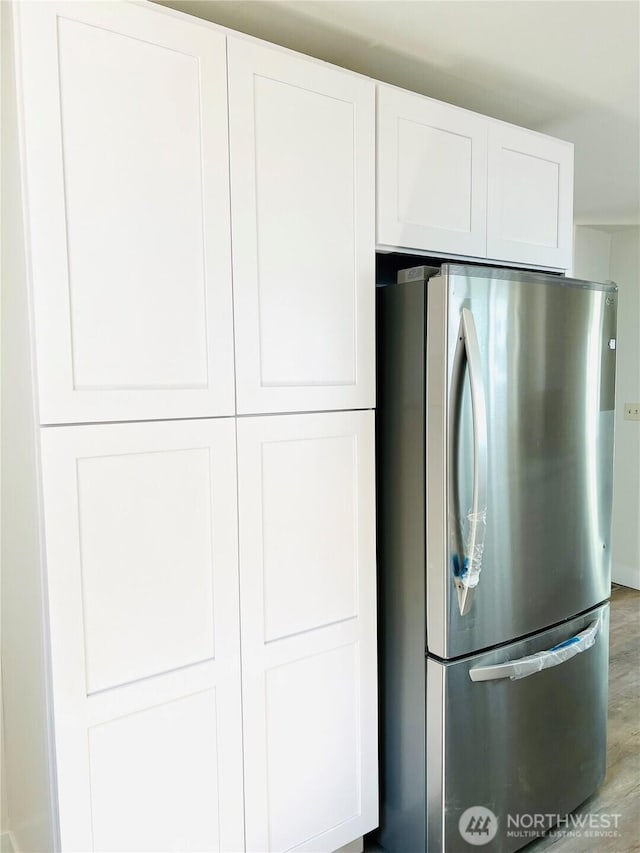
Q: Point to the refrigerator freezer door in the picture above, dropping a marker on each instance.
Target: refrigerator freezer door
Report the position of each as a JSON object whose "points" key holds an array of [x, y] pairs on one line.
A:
{"points": [[525, 748], [538, 550]]}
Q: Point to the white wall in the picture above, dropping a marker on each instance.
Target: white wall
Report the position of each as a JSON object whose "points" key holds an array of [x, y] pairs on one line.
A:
{"points": [[625, 271], [614, 253], [591, 254], [4, 814]]}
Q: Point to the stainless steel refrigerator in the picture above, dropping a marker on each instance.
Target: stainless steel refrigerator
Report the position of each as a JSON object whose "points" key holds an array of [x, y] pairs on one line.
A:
{"points": [[495, 456]]}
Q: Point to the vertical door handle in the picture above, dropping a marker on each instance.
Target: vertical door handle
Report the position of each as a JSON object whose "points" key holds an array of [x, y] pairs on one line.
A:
{"points": [[468, 556]]}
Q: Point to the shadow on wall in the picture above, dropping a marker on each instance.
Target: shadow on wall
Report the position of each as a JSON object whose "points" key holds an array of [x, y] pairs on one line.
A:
{"points": [[613, 253]]}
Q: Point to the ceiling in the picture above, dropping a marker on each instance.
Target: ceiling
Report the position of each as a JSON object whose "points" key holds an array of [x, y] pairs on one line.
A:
{"points": [[570, 68]]}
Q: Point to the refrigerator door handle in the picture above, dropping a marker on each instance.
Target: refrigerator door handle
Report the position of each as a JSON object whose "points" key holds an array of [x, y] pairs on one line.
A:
{"points": [[542, 660], [468, 575]]}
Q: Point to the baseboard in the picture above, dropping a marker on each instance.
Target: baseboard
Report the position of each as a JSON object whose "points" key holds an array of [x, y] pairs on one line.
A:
{"points": [[355, 846], [626, 575], [7, 844]]}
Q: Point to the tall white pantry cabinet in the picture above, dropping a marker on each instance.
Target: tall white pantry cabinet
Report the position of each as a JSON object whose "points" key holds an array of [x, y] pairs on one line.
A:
{"points": [[189, 604]]}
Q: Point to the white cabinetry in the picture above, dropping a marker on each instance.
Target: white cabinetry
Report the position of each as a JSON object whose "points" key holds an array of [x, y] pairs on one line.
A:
{"points": [[141, 544], [126, 165], [126, 469], [530, 199], [308, 613], [432, 175], [302, 193], [452, 182]]}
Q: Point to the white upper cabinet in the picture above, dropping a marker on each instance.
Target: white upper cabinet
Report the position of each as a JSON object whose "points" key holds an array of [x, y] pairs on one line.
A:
{"points": [[432, 175], [302, 189], [530, 200], [126, 166], [308, 617], [142, 566], [453, 182]]}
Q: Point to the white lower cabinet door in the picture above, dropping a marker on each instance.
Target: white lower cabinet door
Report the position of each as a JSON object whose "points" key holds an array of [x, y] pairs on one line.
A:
{"points": [[308, 624], [141, 548]]}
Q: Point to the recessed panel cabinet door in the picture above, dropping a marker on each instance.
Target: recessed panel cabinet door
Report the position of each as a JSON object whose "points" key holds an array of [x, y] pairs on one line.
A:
{"points": [[302, 189], [530, 200], [432, 175], [126, 166], [308, 621], [141, 549]]}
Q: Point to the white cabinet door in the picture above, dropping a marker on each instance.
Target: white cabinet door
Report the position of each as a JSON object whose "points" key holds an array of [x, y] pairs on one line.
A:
{"points": [[432, 175], [126, 166], [530, 201], [308, 621], [141, 551], [302, 190]]}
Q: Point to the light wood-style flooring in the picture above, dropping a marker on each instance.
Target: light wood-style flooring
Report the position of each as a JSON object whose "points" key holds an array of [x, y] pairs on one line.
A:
{"points": [[620, 793]]}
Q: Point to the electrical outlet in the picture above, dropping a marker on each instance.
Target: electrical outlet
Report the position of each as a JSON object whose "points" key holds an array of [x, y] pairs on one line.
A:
{"points": [[632, 411]]}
